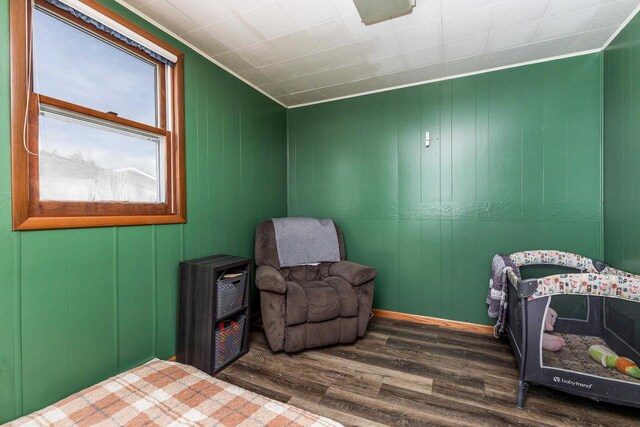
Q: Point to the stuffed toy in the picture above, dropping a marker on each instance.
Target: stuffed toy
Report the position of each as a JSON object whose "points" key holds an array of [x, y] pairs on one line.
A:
{"points": [[551, 342], [609, 359], [550, 319], [628, 366], [602, 354]]}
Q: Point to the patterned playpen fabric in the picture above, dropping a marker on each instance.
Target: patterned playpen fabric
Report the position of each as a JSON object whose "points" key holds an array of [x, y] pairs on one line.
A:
{"points": [[563, 259], [610, 282], [161, 393], [604, 285]]}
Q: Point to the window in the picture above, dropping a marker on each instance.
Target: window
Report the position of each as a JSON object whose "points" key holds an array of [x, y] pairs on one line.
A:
{"points": [[96, 119]]}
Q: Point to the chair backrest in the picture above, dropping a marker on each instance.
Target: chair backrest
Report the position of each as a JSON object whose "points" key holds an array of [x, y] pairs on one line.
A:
{"points": [[266, 251]]}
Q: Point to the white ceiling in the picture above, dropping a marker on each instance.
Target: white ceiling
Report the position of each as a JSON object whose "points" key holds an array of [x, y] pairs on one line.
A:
{"points": [[302, 51]]}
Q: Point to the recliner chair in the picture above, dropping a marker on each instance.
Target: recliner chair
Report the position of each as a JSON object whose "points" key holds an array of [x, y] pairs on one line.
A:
{"points": [[310, 306]]}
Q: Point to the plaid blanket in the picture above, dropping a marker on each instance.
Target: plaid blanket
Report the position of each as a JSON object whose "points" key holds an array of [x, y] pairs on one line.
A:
{"points": [[161, 393]]}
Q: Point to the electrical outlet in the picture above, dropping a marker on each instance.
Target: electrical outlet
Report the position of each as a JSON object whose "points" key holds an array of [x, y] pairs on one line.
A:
{"points": [[427, 139]]}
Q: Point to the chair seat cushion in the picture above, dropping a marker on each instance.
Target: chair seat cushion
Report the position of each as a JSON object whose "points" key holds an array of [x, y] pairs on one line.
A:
{"points": [[312, 301], [346, 294], [322, 300]]}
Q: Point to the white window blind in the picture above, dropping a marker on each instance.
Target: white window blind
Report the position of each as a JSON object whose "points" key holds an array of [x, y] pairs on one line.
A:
{"points": [[114, 25]]}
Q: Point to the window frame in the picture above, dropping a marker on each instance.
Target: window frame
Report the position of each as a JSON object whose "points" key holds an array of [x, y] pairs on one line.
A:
{"points": [[29, 212]]}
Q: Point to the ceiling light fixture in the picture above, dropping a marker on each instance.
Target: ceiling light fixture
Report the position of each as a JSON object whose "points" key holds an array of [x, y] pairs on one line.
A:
{"points": [[374, 11]]}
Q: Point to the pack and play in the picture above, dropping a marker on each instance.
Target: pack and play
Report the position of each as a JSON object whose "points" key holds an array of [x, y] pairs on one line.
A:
{"points": [[598, 314]]}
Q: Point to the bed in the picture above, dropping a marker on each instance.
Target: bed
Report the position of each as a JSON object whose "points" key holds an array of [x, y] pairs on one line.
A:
{"points": [[601, 306], [170, 394]]}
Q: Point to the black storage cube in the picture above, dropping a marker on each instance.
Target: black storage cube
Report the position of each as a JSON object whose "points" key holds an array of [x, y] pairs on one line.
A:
{"points": [[206, 299]]}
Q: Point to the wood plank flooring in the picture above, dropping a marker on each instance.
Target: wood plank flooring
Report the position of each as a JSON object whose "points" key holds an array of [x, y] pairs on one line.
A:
{"points": [[410, 374]]}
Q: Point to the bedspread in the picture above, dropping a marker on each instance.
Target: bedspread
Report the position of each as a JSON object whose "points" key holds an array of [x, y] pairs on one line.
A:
{"points": [[170, 394]]}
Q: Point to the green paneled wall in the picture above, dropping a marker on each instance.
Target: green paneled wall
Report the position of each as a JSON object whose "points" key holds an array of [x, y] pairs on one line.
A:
{"points": [[77, 306], [514, 164], [622, 149]]}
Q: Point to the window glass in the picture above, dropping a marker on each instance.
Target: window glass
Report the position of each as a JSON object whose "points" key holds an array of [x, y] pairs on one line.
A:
{"points": [[89, 160], [75, 66]]}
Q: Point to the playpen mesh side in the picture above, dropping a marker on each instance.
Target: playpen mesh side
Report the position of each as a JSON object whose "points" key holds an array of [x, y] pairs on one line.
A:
{"points": [[622, 318], [575, 357]]}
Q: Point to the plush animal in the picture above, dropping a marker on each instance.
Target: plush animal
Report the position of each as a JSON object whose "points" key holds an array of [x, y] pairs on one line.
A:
{"points": [[550, 319], [609, 359], [552, 342], [602, 354], [628, 366]]}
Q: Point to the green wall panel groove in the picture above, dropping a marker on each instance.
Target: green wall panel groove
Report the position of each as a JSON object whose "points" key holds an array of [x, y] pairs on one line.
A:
{"points": [[77, 306], [514, 164]]}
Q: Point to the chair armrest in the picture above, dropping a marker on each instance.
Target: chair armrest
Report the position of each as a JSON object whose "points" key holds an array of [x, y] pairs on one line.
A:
{"points": [[356, 274], [269, 279]]}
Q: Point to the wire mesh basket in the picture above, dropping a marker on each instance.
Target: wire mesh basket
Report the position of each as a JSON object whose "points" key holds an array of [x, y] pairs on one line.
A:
{"points": [[230, 293], [228, 341]]}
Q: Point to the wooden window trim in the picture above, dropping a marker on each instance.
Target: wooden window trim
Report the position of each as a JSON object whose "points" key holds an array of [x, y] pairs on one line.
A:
{"points": [[28, 211], [55, 208]]}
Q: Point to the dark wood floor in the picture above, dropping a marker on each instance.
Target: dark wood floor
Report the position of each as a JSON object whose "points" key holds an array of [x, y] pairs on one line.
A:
{"points": [[408, 374]]}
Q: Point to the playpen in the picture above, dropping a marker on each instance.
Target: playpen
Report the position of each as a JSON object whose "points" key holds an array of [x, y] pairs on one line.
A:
{"points": [[596, 305]]}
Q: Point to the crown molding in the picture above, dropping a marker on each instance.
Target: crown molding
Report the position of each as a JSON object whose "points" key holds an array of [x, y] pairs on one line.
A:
{"points": [[457, 76]]}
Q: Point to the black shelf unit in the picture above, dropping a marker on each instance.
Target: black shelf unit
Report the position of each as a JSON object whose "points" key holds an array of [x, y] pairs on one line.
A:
{"points": [[197, 310]]}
